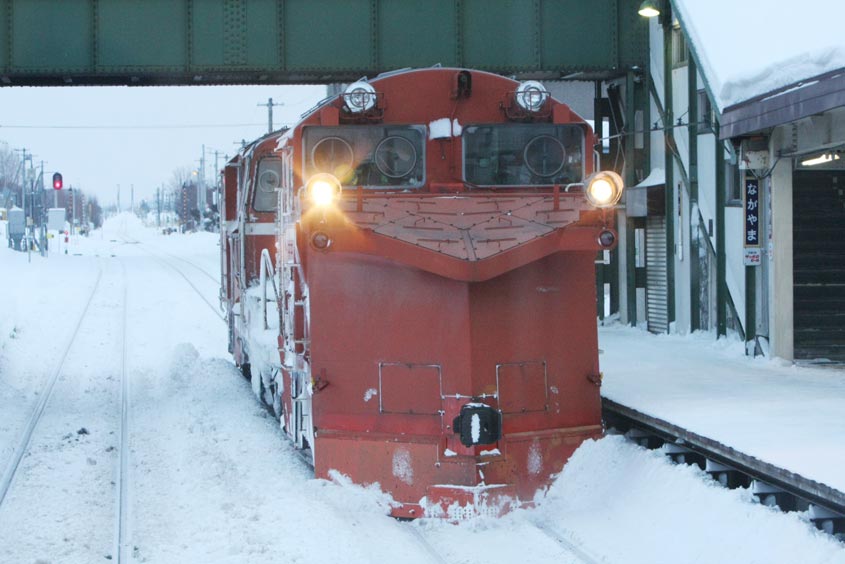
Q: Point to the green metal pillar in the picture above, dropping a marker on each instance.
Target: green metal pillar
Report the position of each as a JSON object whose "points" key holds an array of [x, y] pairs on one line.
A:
{"points": [[630, 179], [670, 168], [721, 265], [695, 229]]}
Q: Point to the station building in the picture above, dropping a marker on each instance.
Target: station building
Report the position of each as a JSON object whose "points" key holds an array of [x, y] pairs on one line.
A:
{"points": [[732, 143]]}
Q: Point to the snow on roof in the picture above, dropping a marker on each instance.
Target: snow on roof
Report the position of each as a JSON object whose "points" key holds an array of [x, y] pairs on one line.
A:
{"points": [[753, 47], [656, 177]]}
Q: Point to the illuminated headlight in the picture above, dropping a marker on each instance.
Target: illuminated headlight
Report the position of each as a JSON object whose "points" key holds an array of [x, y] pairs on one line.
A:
{"points": [[323, 189], [359, 97], [604, 189], [531, 96]]}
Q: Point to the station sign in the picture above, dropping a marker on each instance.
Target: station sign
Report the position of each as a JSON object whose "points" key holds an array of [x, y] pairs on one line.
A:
{"points": [[752, 254]]}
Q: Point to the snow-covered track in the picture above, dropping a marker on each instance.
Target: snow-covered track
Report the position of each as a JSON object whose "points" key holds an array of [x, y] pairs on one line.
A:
{"points": [[774, 486], [571, 548], [44, 398], [213, 278], [426, 545], [166, 262], [121, 550]]}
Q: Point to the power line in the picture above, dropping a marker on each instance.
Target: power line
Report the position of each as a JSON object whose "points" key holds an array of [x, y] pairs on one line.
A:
{"points": [[137, 126]]}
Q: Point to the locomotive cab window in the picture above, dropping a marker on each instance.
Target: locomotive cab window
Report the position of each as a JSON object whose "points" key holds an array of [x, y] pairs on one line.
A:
{"points": [[268, 180], [372, 156], [523, 154]]}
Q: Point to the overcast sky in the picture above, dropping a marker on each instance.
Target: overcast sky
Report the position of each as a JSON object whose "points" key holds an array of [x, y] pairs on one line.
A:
{"points": [[99, 137]]}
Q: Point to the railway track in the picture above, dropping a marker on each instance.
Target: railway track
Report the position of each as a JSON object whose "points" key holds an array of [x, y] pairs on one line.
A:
{"points": [[772, 485], [121, 543], [571, 550], [559, 537], [426, 545], [163, 258], [214, 279], [121, 549], [43, 398]]}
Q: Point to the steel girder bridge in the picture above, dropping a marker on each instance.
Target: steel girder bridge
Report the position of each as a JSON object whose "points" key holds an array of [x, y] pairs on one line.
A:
{"points": [[182, 42]]}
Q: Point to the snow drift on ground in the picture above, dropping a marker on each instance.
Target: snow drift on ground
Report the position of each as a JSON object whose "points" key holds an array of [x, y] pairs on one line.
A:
{"points": [[213, 480]]}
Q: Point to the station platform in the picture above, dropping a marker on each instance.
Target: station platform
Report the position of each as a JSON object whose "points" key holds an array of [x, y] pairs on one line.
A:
{"points": [[787, 415]]}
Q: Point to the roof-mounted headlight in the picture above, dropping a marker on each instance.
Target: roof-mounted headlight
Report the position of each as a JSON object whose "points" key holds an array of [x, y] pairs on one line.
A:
{"points": [[604, 189], [359, 97], [531, 96], [323, 189]]}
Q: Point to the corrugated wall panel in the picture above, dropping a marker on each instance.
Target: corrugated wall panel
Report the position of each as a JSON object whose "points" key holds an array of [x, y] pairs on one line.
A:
{"points": [[656, 305]]}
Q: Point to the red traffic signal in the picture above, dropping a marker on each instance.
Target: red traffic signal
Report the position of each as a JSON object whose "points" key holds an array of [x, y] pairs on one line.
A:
{"points": [[57, 181]]}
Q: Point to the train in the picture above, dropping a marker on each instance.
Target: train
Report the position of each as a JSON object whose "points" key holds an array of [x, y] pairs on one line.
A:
{"points": [[409, 280]]}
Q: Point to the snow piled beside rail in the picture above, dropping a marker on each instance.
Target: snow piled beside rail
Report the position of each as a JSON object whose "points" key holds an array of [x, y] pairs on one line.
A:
{"points": [[214, 481]]}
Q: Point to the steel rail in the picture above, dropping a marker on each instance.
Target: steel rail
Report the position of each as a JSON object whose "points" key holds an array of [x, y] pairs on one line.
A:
{"points": [[121, 550], [213, 278], [426, 545], [47, 392], [815, 493], [164, 261], [569, 546]]}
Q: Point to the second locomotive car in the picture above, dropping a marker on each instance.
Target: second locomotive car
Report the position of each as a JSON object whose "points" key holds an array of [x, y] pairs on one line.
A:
{"points": [[409, 279]]}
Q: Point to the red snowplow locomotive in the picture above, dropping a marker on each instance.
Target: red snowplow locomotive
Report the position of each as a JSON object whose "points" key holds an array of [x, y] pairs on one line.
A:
{"points": [[409, 278]]}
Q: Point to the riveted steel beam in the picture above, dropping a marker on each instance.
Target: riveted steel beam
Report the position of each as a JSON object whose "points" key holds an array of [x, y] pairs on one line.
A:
{"points": [[318, 41]]}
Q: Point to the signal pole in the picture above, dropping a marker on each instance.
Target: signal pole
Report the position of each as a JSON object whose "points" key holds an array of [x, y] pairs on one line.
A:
{"points": [[269, 105]]}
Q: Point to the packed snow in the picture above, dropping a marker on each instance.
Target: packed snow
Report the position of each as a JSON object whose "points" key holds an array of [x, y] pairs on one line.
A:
{"points": [[784, 414], [750, 48], [213, 480]]}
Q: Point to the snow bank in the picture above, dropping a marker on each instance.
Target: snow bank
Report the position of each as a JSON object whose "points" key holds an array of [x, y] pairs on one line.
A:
{"points": [[632, 505], [789, 416], [213, 479]]}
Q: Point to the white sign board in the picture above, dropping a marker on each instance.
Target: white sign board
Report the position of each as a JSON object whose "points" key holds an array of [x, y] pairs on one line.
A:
{"points": [[56, 219], [752, 256]]}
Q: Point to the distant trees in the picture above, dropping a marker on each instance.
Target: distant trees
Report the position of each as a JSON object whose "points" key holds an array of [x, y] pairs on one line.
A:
{"points": [[10, 188], [194, 205]]}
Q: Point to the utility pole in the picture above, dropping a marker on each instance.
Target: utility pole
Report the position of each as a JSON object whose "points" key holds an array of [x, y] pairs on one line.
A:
{"points": [[27, 216], [201, 186], [118, 198], [132, 197], [269, 105], [158, 207], [43, 215], [72, 210]]}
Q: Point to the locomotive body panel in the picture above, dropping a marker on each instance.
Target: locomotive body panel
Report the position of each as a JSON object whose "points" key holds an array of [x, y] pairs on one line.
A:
{"points": [[436, 328]]}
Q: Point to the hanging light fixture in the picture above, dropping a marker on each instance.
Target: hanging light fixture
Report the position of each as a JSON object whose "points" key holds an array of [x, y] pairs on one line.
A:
{"points": [[648, 9], [822, 159]]}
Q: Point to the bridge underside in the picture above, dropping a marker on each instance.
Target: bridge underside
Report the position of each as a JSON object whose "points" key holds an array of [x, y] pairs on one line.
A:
{"points": [[182, 42]]}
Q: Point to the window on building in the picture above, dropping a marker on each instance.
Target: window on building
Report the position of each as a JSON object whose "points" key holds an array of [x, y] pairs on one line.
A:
{"points": [[680, 52], [733, 193], [706, 116]]}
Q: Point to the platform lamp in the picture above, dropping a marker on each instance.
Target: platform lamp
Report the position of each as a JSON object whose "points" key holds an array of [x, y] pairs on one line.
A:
{"points": [[649, 9]]}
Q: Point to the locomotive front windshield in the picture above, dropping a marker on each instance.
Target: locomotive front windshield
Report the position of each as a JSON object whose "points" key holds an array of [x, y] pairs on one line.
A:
{"points": [[523, 154], [372, 156], [268, 182]]}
